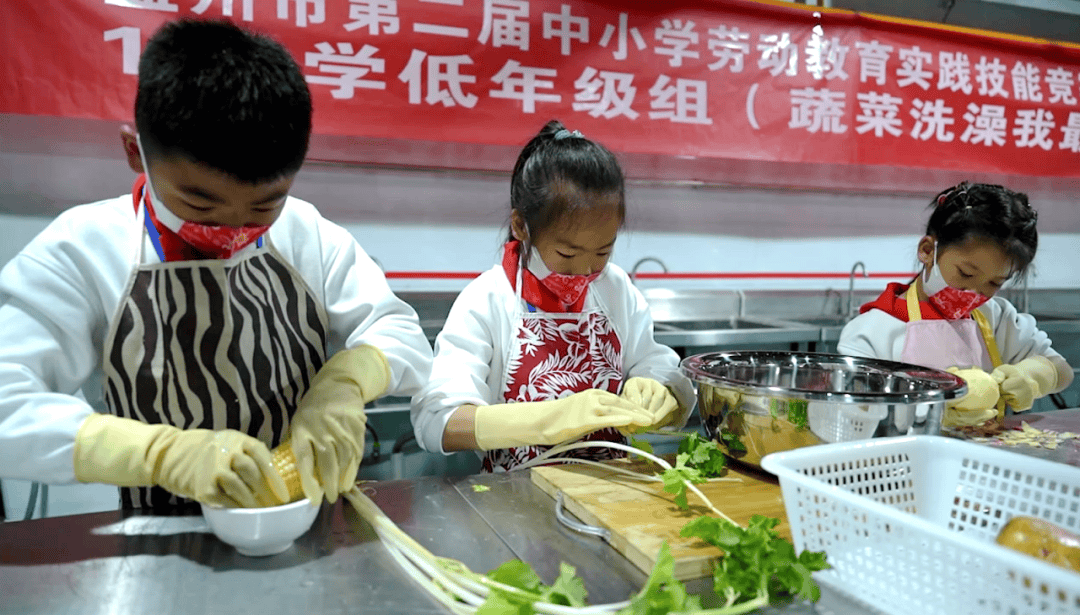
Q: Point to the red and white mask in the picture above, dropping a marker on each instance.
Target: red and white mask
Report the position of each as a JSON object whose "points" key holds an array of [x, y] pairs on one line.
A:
{"points": [[952, 303], [215, 240], [567, 287]]}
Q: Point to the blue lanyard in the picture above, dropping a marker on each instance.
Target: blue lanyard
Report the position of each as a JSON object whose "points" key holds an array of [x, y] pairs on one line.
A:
{"points": [[155, 238]]}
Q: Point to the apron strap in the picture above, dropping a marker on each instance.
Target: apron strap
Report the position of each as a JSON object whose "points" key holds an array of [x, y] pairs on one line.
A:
{"points": [[992, 349], [987, 333]]}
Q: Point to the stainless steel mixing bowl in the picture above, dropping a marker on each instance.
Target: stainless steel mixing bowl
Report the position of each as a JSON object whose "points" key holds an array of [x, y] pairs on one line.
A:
{"points": [[758, 402]]}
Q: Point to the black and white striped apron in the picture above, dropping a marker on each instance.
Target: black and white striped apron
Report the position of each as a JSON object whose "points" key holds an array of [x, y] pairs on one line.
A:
{"points": [[212, 344]]}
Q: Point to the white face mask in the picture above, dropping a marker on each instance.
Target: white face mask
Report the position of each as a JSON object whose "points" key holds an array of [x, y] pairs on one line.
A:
{"points": [[952, 303]]}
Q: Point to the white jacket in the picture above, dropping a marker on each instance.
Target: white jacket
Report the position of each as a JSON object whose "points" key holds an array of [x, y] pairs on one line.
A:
{"points": [[879, 335], [58, 296], [471, 349]]}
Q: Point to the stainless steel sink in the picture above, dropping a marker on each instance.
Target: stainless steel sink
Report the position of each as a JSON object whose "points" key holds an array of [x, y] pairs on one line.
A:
{"points": [[718, 325], [733, 331]]}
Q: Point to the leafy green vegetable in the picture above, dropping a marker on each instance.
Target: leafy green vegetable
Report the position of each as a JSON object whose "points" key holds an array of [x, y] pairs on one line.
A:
{"points": [[641, 445], [567, 590], [704, 455], [732, 442], [480, 488], [797, 413], [662, 593], [758, 566], [676, 477]]}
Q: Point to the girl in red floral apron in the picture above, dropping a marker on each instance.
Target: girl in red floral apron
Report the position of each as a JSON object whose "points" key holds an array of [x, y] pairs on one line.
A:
{"points": [[556, 342]]}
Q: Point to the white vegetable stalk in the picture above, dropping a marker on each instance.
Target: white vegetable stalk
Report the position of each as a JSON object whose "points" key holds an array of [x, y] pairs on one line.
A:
{"points": [[461, 590], [558, 450], [450, 582]]}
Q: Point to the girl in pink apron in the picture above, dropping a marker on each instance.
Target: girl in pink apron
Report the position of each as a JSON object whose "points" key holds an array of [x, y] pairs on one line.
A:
{"points": [[978, 237], [554, 344]]}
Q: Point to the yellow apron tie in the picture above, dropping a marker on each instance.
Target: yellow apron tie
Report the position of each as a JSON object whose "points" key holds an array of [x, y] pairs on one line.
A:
{"points": [[915, 314]]}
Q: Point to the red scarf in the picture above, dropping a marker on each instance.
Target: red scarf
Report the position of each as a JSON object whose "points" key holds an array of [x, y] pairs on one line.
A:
{"points": [[535, 293], [175, 249], [894, 302]]}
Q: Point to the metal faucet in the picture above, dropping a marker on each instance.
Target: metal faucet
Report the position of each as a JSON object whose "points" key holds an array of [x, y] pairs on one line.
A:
{"points": [[851, 288], [637, 265]]}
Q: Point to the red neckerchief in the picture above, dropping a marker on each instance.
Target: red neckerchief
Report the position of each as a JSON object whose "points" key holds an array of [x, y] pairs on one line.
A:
{"points": [[535, 293], [175, 249], [894, 303]]}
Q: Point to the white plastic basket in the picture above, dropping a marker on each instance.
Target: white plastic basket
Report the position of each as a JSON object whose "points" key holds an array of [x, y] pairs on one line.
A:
{"points": [[909, 523], [833, 422]]}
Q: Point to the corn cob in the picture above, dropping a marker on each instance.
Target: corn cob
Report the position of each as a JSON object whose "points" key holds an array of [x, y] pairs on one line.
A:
{"points": [[285, 463]]}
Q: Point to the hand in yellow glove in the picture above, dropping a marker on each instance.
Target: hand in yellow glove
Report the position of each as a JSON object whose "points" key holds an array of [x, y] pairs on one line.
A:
{"points": [[982, 390], [1023, 383], [654, 397], [555, 421], [978, 405], [220, 468], [327, 431]]}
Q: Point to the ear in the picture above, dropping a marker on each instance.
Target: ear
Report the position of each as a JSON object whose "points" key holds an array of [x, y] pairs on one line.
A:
{"points": [[518, 228], [926, 250], [131, 148]]}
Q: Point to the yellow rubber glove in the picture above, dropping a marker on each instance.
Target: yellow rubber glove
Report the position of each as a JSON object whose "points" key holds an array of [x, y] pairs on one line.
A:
{"points": [[978, 405], [1023, 383], [982, 389], [327, 431], [555, 421], [654, 397], [220, 468]]}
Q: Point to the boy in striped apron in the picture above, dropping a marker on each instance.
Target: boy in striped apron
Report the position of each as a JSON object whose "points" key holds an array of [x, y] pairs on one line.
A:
{"points": [[204, 306]]}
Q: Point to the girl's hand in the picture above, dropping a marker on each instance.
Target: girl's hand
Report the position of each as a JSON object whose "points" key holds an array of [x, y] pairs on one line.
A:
{"points": [[1021, 384], [656, 398], [982, 390]]}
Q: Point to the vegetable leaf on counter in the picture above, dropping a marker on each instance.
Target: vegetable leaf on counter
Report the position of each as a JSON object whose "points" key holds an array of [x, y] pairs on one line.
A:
{"points": [[663, 593], [526, 588], [642, 445], [758, 566]]}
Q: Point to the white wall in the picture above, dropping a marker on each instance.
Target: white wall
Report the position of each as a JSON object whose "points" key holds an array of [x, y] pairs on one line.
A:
{"points": [[448, 248]]}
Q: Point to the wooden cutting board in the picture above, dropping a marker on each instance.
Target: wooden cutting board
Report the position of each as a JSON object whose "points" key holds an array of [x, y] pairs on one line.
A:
{"points": [[641, 516]]}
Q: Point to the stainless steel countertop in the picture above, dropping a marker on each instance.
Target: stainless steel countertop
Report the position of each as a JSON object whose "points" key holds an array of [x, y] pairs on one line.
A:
{"points": [[127, 563]]}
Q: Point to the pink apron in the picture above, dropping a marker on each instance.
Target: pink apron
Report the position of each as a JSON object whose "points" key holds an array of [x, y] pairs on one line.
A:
{"points": [[941, 344], [555, 355]]}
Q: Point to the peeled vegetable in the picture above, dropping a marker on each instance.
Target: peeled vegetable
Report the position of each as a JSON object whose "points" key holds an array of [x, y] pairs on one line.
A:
{"points": [[285, 463], [1043, 540]]}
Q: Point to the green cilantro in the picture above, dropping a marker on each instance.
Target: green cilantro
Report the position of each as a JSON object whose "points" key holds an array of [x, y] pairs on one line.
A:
{"points": [[758, 566], [705, 455], [732, 442], [797, 413], [675, 479], [641, 445], [567, 590], [662, 593]]}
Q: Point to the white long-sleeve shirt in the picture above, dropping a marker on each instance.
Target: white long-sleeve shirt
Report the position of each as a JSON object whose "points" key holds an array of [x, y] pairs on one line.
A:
{"points": [[59, 295], [471, 349]]}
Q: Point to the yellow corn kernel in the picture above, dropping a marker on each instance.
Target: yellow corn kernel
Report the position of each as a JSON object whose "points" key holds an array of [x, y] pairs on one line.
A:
{"points": [[285, 464]]}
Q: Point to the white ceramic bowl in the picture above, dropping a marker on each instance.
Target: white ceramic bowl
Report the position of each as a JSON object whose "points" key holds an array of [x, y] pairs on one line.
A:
{"points": [[256, 532]]}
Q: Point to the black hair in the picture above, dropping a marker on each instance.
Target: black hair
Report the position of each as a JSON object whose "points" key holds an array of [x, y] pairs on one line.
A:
{"points": [[219, 95], [989, 212], [551, 174]]}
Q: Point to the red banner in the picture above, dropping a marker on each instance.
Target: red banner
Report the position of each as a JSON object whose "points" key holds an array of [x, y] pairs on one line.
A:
{"points": [[734, 79]]}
